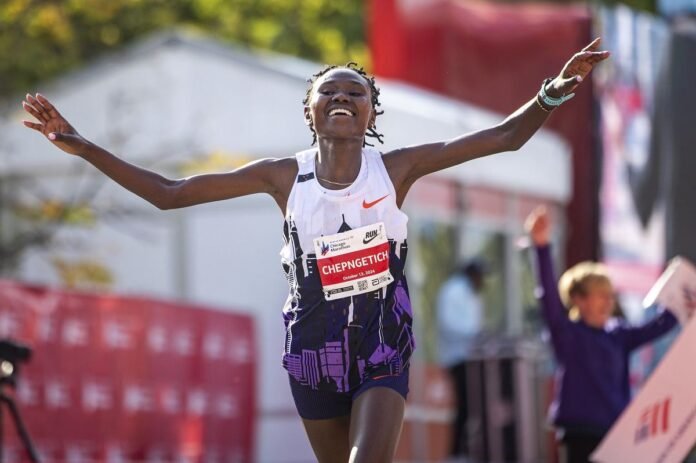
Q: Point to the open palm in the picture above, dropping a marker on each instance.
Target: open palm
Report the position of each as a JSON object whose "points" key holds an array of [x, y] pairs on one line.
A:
{"points": [[52, 124]]}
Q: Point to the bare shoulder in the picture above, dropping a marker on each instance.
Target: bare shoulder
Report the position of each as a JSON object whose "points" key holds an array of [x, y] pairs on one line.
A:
{"points": [[399, 164], [281, 173], [401, 161], [404, 159], [282, 169]]}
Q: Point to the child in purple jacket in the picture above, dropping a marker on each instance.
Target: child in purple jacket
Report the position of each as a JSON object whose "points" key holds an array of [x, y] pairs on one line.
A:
{"points": [[591, 348]]}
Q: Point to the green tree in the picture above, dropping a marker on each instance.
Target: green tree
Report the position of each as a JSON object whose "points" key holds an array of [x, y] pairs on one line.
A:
{"points": [[645, 5], [42, 38]]}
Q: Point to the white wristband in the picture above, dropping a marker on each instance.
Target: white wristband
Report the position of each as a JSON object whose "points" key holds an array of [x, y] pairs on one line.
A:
{"points": [[549, 100]]}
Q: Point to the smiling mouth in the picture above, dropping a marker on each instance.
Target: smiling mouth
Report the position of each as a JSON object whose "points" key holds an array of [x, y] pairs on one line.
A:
{"points": [[341, 112]]}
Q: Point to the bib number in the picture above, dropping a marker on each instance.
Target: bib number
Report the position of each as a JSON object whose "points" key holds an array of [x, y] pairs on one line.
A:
{"points": [[353, 262]]}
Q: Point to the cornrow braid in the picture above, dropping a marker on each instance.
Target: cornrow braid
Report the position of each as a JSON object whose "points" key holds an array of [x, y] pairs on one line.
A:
{"points": [[374, 90]]}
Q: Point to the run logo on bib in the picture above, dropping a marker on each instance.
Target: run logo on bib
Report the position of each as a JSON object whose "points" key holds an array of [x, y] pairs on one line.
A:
{"points": [[353, 262]]}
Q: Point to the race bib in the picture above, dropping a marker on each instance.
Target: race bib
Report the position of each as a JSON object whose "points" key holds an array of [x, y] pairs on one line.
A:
{"points": [[353, 262]]}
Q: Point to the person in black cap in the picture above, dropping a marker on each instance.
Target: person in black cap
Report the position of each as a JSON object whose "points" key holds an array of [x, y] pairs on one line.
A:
{"points": [[459, 320]]}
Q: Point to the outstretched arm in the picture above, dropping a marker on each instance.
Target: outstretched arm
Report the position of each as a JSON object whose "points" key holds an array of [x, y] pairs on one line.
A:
{"points": [[635, 337], [554, 313], [263, 176], [414, 162]]}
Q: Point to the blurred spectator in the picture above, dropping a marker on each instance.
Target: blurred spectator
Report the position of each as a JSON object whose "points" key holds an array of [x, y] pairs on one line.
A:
{"points": [[459, 322], [591, 347]]}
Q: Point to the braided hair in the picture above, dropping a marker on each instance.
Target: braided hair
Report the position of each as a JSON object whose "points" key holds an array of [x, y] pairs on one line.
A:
{"points": [[374, 90]]}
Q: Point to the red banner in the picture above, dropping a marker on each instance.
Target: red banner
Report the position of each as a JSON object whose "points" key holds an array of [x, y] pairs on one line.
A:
{"points": [[495, 55], [123, 379]]}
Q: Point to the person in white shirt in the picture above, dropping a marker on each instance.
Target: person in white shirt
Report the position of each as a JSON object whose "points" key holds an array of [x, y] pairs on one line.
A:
{"points": [[459, 323]]}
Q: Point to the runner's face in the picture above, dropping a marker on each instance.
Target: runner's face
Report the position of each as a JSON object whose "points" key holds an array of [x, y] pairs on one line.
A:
{"points": [[341, 105]]}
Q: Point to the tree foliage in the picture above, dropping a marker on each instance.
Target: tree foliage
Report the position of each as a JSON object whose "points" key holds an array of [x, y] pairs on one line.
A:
{"points": [[644, 5], [42, 38]]}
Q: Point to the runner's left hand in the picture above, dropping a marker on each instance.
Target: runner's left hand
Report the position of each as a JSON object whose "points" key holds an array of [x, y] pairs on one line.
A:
{"points": [[576, 69]]}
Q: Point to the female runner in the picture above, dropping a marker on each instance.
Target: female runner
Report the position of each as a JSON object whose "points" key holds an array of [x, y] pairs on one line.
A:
{"points": [[348, 314]]}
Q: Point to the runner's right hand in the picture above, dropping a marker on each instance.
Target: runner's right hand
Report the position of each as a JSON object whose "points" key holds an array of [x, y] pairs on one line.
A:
{"points": [[53, 125]]}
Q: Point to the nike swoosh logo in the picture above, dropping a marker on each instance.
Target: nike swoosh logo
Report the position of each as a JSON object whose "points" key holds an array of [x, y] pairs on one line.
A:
{"points": [[367, 240], [367, 205]]}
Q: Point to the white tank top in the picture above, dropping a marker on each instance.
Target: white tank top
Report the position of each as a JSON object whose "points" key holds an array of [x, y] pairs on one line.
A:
{"points": [[341, 332], [318, 211]]}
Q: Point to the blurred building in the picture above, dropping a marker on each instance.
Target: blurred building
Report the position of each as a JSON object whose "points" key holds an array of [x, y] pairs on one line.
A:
{"points": [[180, 104]]}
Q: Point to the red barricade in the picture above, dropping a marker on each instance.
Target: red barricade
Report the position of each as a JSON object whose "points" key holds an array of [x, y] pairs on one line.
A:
{"points": [[129, 379]]}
